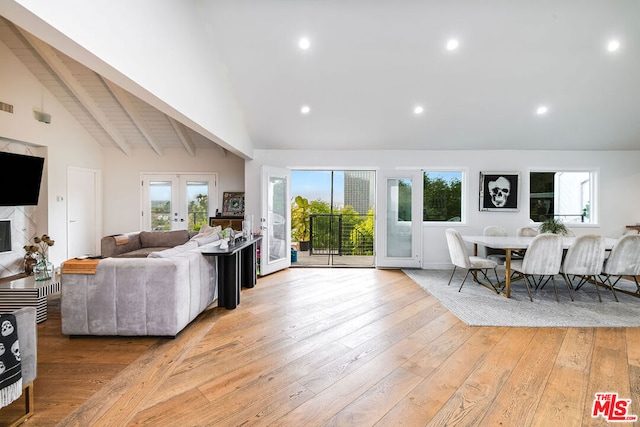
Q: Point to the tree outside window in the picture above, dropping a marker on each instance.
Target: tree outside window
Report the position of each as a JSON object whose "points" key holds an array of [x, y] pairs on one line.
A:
{"points": [[442, 196]]}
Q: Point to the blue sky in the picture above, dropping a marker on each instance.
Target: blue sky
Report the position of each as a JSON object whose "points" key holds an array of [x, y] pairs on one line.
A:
{"points": [[447, 176], [314, 185]]}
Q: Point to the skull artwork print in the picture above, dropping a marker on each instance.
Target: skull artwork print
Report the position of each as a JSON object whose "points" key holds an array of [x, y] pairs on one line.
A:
{"points": [[499, 191]]}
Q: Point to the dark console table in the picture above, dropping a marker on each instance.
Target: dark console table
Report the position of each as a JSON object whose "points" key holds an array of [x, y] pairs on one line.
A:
{"points": [[236, 269]]}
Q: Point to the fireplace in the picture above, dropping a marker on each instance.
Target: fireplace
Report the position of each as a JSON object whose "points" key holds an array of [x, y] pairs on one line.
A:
{"points": [[5, 235]]}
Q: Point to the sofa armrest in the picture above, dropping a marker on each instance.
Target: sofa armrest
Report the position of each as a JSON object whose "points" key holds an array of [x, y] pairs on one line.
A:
{"points": [[127, 296], [110, 247], [28, 338]]}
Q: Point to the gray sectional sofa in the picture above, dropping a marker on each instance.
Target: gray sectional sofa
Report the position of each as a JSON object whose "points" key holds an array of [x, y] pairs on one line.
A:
{"points": [[157, 294], [140, 244]]}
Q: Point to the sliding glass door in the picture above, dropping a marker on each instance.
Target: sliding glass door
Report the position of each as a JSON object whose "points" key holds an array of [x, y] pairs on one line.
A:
{"points": [[332, 217]]}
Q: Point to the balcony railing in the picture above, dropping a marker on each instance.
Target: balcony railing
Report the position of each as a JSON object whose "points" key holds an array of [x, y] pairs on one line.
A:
{"points": [[338, 234]]}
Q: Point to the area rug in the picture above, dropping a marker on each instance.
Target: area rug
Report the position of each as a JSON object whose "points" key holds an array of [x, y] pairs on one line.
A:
{"points": [[476, 305]]}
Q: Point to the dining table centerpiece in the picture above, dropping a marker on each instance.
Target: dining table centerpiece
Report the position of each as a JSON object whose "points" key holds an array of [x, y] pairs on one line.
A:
{"points": [[38, 251]]}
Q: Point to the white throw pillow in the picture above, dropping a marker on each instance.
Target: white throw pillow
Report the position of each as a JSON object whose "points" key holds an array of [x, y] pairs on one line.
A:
{"points": [[206, 239], [173, 251], [206, 230]]}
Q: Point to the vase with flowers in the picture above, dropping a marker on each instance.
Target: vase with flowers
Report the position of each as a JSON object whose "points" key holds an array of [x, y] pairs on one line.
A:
{"points": [[42, 268]]}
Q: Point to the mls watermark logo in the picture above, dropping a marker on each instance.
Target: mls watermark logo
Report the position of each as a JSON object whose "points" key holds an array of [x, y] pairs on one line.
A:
{"points": [[611, 408]]}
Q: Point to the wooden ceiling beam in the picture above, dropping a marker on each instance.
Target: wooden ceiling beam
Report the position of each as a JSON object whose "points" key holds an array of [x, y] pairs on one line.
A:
{"points": [[182, 135], [49, 56], [129, 107]]}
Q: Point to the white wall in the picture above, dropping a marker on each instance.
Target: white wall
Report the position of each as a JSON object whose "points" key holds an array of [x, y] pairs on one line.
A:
{"points": [[123, 40], [619, 173], [64, 141], [121, 179]]}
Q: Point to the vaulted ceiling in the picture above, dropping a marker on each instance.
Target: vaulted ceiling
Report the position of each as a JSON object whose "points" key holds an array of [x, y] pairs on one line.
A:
{"points": [[524, 75], [370, 63], [113, 116]]}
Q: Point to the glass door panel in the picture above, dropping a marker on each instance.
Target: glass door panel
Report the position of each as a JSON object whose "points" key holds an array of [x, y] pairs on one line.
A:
{"points": [[399, 230], [276, 238], [399, 238], [277, 219], [161, 205], [197, 204], [178, 202]]}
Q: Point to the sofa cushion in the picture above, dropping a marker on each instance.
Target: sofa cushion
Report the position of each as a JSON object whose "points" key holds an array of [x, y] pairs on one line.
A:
{"points": [[167, 239], [175, 250], [142, 252]]}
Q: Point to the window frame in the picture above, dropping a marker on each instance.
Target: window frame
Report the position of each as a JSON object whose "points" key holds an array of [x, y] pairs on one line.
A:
{"points": [[594, 178], [464, 172]]}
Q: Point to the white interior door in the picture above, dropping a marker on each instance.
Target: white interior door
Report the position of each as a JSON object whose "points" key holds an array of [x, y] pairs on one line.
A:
{"points": [[82, 212], [275, 220], [178, 201], [399, 219]]}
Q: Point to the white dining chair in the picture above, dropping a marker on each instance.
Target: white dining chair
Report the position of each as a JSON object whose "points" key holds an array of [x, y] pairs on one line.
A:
{"points": [[523, 232], [624, 260], [542, 258], [497, 255], [473, 264], [584, 259], [527, 232]]}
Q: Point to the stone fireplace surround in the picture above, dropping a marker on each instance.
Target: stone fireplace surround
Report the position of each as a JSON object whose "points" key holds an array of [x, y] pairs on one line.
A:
{"points": [[23, 219]]}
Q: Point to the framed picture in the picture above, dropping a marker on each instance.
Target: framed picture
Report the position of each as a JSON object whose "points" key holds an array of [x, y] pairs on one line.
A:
{"points": [[499, 191], [233, 203]]}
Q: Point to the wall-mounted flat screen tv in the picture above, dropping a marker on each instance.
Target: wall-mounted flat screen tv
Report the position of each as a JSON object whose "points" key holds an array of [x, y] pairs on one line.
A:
{"points": [[20, 176]]}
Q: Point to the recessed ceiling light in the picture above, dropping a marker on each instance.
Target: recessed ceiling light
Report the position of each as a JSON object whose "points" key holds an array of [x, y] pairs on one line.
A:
{"points": [[305, 109], [452, 44], [304, 43], [542, 110], [613, 45], [418, 109]]}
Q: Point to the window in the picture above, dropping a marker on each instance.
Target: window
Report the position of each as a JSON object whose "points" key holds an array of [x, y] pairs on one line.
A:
{"points": [[442, 196], [565, 195]]}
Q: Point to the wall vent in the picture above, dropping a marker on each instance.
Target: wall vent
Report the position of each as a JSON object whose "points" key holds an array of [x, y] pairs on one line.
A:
{"points": [[6, 107]]}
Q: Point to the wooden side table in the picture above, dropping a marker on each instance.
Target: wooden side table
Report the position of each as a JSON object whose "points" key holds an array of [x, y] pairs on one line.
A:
{"points": [[27, 292]]}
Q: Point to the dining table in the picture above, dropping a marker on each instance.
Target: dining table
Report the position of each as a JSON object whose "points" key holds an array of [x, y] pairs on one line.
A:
{"points": [[516, 243]]}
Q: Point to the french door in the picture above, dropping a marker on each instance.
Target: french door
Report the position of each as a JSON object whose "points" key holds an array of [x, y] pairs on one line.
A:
{"points": [[178, 201], [275, 252], [399, 219]]}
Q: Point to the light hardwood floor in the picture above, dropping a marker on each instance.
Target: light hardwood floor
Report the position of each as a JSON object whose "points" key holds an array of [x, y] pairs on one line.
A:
{"points": [[357, 347]]}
